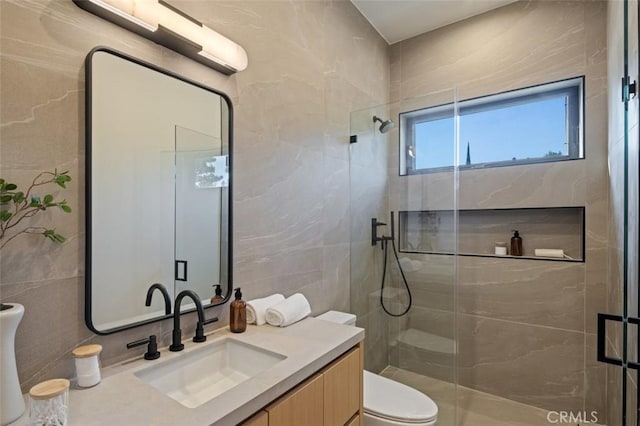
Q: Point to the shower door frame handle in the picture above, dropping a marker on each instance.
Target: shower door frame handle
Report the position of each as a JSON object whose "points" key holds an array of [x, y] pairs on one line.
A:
{"points": [[180, 270], [602, 340]]}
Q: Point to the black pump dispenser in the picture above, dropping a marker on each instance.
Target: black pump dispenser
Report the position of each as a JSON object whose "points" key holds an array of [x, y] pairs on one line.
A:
{"points": [[516, 244]]}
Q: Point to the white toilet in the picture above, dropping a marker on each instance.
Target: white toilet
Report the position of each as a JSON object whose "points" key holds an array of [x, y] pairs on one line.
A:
{"points": [[387, 402]]}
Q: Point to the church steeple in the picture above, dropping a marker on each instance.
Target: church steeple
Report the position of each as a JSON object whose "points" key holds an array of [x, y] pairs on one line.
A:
{"points": [[468, 163]]}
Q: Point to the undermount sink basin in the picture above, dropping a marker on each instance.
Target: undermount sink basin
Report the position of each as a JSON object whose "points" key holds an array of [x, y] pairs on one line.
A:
{"points": [[198, 376]]}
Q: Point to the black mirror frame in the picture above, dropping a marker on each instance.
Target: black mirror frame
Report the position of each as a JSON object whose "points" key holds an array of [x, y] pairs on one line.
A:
{"points": [[88, 195]]}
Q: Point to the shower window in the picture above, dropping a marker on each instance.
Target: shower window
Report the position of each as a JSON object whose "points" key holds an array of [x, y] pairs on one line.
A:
{"points": [[532, 125]]}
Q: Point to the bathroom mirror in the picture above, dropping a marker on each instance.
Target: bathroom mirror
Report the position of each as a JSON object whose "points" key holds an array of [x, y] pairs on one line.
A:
{"points": [[158, 191]]}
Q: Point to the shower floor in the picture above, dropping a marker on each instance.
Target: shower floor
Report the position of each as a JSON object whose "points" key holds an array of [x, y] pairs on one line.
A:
{"points": [[475, 408]]}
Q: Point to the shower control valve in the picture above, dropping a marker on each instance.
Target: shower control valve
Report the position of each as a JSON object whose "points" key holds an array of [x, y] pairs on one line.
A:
{"points": [[374, 232]]}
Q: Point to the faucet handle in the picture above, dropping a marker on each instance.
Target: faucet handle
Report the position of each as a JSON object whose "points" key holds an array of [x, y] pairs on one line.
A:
{"points": [[200, 337], [152, 348]]}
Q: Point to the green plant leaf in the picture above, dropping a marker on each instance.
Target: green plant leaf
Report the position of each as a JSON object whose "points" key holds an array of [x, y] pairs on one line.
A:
{"points": [[53, 236], [18, 197], [61, 179], [30, 206]]}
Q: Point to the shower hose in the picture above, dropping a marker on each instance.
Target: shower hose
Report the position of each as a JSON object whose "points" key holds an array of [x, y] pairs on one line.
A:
{"points": [[385, 244]]}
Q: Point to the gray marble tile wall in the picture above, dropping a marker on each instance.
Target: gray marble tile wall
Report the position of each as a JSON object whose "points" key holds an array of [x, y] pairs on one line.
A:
{"points": [[525, 329], [310, 65]]}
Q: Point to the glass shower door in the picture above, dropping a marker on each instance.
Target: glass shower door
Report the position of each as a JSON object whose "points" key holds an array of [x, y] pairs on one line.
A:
{"points": [[619, 328], [403, 244]]}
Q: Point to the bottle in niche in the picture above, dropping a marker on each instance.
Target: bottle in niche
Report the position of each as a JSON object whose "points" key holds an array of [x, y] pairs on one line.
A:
{"points": [[218, 296], [516, 244], [238, 311]]}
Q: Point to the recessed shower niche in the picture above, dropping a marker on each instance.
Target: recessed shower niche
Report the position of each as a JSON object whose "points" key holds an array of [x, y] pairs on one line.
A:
{"points": [[432, 231]]}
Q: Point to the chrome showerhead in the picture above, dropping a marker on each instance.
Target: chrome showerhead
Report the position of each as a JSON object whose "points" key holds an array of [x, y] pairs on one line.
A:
{"points": [[385, 126]]}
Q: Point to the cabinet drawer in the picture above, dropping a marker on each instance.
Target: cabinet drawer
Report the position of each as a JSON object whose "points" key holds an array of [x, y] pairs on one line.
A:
{"points": [[303, 406], [342, 387]]}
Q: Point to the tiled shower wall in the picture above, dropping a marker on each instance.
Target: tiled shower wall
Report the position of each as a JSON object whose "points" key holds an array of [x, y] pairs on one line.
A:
{"points": [[310, 65], [525, 328]]}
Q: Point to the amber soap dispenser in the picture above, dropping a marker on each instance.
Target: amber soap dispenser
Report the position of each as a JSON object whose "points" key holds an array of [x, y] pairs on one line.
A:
{"points": [[218, 296], [516, 244], [238, 311]]}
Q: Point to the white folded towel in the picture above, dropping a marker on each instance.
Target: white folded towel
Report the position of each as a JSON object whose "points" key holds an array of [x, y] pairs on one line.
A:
{"points": [[257, 308], [291, 310]]}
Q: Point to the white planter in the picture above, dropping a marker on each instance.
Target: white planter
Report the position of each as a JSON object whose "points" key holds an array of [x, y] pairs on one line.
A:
{"points": [[11, 401]]}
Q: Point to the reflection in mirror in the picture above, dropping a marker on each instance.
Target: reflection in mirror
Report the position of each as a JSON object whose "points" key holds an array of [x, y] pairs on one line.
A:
{"points": [[200, 173], [158, 191]]}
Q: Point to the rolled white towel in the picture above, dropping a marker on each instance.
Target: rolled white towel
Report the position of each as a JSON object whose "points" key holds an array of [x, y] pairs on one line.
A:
{"points": [[549, 253], [257, 308], [291, 310]]}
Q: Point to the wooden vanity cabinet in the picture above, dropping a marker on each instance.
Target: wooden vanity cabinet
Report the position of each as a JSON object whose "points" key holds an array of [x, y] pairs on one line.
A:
{"points": [[302, 406], [343, 388], [355, 421], [259, 419], [331, 397]]}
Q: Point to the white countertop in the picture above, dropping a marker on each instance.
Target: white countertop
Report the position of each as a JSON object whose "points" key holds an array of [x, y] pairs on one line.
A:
{"points": [[124, 399]]}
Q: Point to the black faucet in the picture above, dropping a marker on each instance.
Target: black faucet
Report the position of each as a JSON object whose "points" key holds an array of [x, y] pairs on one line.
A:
{"points": [[176, 345], [152, 348], [165, 294]]}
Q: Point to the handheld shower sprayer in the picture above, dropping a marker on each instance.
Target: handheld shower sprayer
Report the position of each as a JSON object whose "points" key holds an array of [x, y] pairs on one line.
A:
{"points": [[384, 240]]}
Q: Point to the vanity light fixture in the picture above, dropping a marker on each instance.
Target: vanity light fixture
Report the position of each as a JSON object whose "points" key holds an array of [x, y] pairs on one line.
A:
{"points": [[164, 24]]}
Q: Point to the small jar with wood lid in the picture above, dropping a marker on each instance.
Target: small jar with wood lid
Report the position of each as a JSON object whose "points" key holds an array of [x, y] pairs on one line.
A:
{"points": [[49, 402], [87, 365]]}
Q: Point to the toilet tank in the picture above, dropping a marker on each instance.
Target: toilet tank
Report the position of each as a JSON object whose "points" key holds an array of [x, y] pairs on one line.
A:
{"points": [[339, 317]]}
